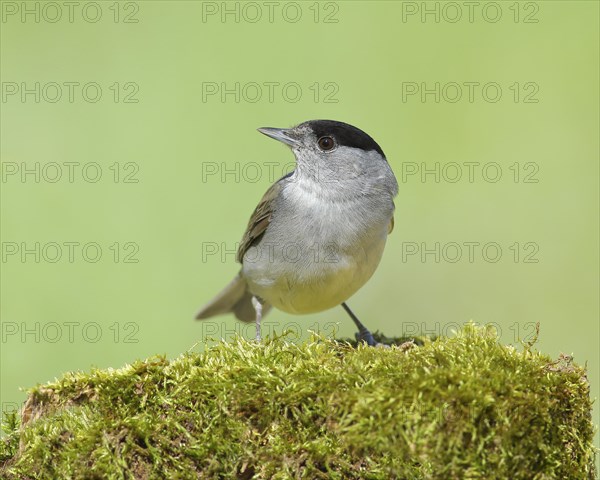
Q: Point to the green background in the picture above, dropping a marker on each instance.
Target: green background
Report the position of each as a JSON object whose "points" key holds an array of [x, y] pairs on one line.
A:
{"points": [[359, 62]]}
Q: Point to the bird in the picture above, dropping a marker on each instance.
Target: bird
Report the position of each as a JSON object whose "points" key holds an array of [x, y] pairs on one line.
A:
{"points": [[318, 233]]}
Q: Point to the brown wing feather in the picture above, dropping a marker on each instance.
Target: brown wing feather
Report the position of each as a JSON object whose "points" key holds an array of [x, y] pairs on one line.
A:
{"points": [[260, 219], [391, 225]]}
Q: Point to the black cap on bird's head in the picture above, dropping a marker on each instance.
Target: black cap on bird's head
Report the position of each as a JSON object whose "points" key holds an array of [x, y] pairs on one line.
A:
{"points": [[345, 134], [328, 134]]}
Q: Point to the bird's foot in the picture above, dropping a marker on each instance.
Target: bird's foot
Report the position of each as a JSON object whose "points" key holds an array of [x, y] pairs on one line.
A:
{"points": [[365, 336]]}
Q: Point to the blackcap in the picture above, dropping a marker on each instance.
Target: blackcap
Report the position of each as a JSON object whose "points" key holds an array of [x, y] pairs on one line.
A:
{"points": [[318, 233]]}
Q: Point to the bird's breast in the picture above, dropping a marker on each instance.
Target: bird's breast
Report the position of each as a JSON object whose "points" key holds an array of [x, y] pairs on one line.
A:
{"points": [[318, 249]]}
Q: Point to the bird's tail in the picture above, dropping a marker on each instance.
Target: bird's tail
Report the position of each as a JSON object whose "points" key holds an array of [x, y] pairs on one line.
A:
{"points": [[234, 298]]}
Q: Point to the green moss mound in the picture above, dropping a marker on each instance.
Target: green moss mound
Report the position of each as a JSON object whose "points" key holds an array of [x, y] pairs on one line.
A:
{"points": [[464, 407]]}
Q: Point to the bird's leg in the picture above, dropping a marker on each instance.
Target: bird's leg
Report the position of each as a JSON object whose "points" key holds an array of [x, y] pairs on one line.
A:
{"points": [[363, 335], [258, 309]]}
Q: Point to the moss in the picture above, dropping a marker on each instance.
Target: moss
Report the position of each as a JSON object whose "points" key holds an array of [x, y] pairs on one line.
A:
{"points": [[464, 407]]}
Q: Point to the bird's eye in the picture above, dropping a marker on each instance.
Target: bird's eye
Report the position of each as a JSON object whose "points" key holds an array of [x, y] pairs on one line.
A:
{"points": [[326, 143]]}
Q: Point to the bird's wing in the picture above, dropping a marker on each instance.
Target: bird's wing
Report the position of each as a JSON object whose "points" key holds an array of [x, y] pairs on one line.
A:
{"points": [[391, 225], [260, 219]]}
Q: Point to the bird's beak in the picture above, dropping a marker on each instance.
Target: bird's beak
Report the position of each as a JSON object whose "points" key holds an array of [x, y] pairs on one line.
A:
{"points": [[281, 134]]}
